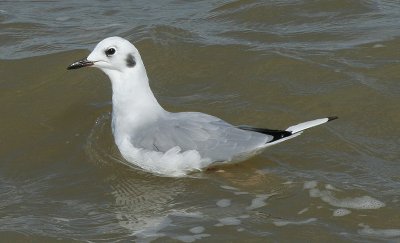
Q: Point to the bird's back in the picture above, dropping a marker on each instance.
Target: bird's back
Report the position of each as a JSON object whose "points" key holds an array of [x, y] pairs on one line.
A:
{"points": [[211, 137]]}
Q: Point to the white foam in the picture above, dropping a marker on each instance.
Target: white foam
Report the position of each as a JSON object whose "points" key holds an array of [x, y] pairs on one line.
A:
{"points": [[229, 221], [380, 233], [224, 203], [197, 230], [340, 212], [182, 213], [310, 184], [282, 222], [363, 202], [152, 228], [303, 211], [314, 192], [240, 193], [191, 238], [259, 201], [229, 188], [378, 46], [62, 219], [186, 238], [330, 187], [148, 229]]}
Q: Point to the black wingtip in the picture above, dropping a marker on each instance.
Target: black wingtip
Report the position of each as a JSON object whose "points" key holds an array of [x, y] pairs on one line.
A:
{"points": [[276, 134], [331, 118]]}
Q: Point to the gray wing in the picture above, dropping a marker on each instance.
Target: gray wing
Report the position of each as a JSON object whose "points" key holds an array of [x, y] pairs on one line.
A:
{"points": [[210, 136]]}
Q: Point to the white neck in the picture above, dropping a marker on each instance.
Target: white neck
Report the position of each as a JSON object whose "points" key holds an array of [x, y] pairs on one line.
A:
{"points": [[133, 101]]}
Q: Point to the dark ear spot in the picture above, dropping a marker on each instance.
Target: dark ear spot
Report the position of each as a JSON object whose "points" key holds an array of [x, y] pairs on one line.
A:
{"points": [[130, 61]]}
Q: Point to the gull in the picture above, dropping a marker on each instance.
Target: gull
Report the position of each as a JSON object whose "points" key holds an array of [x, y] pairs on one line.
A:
{"points": [[168, 143]]}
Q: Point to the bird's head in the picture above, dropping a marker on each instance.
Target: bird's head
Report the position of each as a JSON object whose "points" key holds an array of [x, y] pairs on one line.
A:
{"points": [[113, 54]]}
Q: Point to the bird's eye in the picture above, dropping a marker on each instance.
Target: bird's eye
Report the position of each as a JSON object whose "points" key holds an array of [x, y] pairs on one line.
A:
{"points": [[110, 51]]}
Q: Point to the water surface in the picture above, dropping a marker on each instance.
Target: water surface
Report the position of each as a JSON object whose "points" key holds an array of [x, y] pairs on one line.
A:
{"points": [[264, 64]]}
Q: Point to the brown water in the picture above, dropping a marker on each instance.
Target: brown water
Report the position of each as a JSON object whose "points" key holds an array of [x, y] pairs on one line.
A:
{"points": [[264, 64]]}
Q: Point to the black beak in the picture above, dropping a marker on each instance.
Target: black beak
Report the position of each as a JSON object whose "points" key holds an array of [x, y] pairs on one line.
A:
{"points": [[79, 64]]}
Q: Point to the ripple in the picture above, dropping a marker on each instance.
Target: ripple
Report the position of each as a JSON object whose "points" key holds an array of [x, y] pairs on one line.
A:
{"points": [[380, 233], [259, 201], [281, 222], [223, 203], [100, 145]]}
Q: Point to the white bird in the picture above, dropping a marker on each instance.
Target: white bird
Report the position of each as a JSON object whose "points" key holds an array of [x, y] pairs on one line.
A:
{"points": [[171, 143]]}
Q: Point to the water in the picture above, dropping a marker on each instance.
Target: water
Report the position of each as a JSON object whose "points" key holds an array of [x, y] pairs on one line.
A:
{"points": [[265, 64]]}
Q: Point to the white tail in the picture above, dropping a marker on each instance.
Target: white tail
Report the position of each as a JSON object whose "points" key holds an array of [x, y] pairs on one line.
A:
{"points": [[305, 125], [298, 129]]}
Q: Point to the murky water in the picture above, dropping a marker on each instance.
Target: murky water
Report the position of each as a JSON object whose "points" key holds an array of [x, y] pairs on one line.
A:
{"points": [[264, 64]]}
